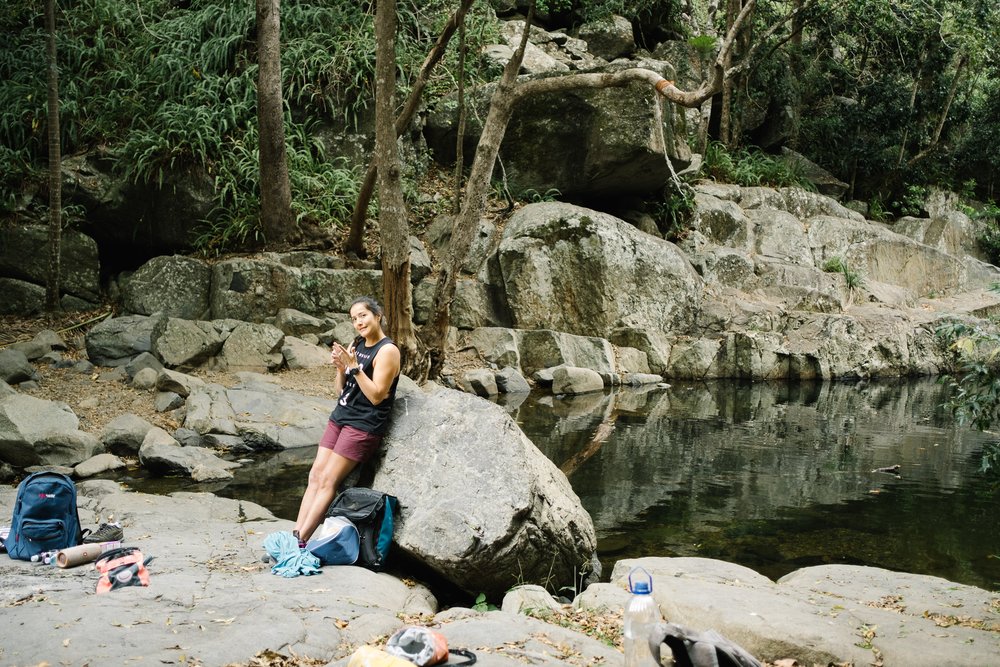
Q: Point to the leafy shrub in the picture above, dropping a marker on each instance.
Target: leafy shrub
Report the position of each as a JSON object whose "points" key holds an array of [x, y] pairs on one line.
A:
{"points": [[855, 279], [673, 213], [912, 200], [877, 210], [751, 167], [534, 196], [988, 231], [15, 168], [974, 379], [703, 44]]}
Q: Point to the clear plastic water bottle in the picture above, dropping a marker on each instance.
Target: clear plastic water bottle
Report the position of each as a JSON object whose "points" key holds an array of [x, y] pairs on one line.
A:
{"points": [[641, 616]]}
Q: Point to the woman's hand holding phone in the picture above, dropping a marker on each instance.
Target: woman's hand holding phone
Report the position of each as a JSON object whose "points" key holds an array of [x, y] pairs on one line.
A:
{"points": [[342, 358], [336, 355]]}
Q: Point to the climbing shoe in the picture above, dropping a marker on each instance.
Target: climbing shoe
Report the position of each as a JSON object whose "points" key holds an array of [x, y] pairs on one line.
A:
{"points": [[106, 532]]}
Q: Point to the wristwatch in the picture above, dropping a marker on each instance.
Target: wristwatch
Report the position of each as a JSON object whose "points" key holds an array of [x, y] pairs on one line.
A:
{"points": [[353, 370]]}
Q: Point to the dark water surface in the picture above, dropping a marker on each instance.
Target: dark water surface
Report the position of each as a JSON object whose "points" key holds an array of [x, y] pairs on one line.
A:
{"points": [[777, 477], [771, 476]]}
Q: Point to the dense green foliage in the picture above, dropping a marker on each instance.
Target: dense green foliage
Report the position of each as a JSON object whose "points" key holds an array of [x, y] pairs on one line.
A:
{"points": [[751, 167], [877, 77], [988, 231], [974, 379], [167, 86], [889, 95]]}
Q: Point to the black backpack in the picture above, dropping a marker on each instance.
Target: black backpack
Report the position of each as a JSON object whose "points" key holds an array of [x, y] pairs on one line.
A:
{"points": [[373, 514], [699, 649], [45, 516]]}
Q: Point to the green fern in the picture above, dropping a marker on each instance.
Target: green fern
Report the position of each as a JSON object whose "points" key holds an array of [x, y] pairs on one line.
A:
{"points": [[167, 88]]}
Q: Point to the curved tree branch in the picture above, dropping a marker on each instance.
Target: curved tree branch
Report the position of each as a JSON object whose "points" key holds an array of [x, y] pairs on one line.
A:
{"points": [[355, 239], [747, 61]]}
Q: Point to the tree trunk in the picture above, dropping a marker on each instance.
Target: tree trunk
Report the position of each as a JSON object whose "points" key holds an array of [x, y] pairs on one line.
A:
{"points": [[393, 227], [355, 239], [728, 86], [52, 286], [276, 218], [939, 127], [460, 133], [473, 203]]}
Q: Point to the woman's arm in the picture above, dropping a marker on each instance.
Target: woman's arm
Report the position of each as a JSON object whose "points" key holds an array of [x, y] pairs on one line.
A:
{"points": [[385, 368]]}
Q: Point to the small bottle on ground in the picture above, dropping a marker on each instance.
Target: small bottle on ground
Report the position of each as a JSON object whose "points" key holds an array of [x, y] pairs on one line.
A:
{"points": [[45, 557], [641, 616]]}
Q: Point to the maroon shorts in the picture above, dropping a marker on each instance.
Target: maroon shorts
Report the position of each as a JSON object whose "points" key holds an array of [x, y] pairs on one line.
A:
{"points": [[351, 443]]}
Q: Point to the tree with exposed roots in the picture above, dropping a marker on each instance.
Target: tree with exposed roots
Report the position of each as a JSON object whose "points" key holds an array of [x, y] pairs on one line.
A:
{"points": [[394, 233], [506, 96], [508, 93]]}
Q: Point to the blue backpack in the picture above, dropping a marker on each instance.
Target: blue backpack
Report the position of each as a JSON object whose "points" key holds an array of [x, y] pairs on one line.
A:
{"points": [[373, 514], [45, 516]]}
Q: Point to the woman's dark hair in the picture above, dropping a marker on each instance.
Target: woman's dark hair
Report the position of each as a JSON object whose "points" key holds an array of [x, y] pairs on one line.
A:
{"points": [[369, 303]]}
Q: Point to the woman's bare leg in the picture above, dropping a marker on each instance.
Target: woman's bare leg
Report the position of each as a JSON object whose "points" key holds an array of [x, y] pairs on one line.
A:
{"points": [[328, 471], [312, 485]]}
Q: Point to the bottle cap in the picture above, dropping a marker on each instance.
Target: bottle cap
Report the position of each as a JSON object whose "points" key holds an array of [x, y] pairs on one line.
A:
{"points": [[640, 582]]}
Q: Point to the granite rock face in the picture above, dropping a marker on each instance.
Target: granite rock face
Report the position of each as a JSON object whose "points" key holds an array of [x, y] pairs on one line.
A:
{"points": [[211, 601], [480, 504]]}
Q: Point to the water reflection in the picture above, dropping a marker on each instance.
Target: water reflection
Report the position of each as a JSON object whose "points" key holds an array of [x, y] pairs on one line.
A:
{"points": [[778, 476]]}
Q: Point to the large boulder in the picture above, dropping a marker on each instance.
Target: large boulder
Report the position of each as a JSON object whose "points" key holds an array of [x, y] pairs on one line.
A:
{"points": [[135, 217], [173, 285], [115, 341], [263, 414], [801, 203], [21, 297], [254, 289], [609, 38], [124, 434], [34, 431], [869, 615], [721, 221], [824, 182], [480, 504], [779, 235], [583, 272], [252, 346], [160, 453], [15, 367], [870, 342], [542, 348], [24, 256], [885, 256], [585, 143], [952, 232], [186, 344]]}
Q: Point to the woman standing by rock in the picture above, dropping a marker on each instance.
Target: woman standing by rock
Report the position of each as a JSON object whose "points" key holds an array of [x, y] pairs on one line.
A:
{"points": [[367, 374]]}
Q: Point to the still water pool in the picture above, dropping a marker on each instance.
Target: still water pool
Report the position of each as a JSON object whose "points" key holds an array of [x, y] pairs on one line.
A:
{"points": [[771, 476], [777, 477]]}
